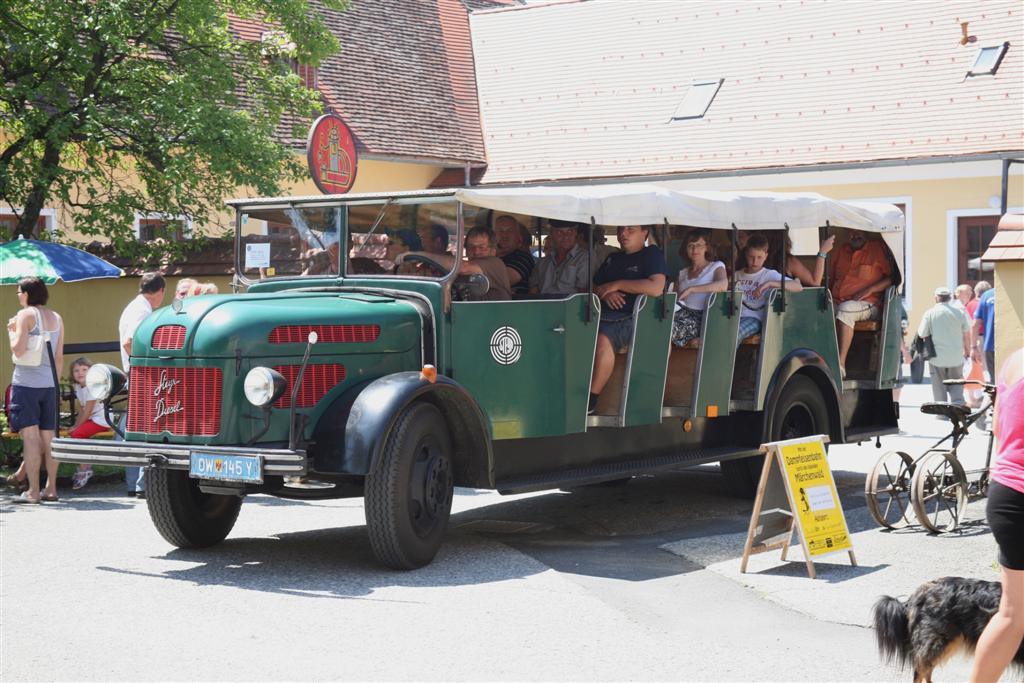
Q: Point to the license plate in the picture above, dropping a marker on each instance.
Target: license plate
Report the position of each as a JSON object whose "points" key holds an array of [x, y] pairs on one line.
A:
{"points": [[245, 468]]}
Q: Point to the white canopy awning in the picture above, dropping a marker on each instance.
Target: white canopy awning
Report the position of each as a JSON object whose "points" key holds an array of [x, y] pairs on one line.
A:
{"points": [[652, 204]]}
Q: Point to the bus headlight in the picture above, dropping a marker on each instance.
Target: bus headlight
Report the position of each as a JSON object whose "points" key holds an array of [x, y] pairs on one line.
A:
{"points": [[104, 381], [263, 386]]}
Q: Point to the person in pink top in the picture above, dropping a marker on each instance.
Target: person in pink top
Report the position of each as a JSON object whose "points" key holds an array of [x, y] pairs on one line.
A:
{"points": [[1005, 631]]}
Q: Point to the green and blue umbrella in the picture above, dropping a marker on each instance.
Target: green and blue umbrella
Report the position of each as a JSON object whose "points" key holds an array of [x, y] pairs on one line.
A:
{"points": [[50, 262]]}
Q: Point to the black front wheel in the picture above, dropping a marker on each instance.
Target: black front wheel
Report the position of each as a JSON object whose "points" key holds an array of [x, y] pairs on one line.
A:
{"points": [[408, 496], [800, 412], [184, 515]]}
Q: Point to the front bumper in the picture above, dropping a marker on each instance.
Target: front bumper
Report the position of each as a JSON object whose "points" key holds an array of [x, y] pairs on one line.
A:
{"points": [[170, 456]]}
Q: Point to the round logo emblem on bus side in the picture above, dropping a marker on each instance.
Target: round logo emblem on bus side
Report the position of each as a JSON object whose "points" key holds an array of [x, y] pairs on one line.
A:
{"points": [[506, 345]]}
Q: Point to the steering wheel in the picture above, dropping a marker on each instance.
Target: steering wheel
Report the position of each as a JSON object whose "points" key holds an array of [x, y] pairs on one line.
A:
{"points": [[430, 263]]}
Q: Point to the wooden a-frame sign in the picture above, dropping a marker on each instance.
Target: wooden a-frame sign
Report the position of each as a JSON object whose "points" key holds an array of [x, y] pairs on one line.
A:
{"points": [[797, 466]]}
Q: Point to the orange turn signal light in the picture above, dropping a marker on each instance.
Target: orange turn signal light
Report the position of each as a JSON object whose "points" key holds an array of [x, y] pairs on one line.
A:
{"points": [[429, 373], [712, 411]]}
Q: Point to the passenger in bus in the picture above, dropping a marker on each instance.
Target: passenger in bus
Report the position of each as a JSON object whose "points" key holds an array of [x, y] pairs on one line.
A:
{"points": [[861, 272], [434, 238], [754, 281], [601, 249], [701, 277], [401, 242], [637, 269], [481, 257], [798, 271], [512, 251], [562, 272]]}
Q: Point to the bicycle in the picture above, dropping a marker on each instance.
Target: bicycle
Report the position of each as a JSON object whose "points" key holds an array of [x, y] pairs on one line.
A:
{"points": [[934, 484]]}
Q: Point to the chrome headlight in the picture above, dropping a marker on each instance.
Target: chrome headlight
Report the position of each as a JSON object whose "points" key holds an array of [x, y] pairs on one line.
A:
{"points": [[104, 381], [263, 386]]}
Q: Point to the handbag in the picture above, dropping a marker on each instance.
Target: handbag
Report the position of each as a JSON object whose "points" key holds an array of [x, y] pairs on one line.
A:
{"points": [[922, 347], [33, 355]]}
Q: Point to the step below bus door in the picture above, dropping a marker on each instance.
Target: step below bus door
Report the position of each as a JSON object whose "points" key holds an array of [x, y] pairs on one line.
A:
{"points": [[527, 363], [716, 357], [647, 360]]}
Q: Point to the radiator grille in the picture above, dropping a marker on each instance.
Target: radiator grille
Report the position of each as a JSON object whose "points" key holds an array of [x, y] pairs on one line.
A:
{"points": [[316, 382], [168, 337], [182, 401], [331, 334]]}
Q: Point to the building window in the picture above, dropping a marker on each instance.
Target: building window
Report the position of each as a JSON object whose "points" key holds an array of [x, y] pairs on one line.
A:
{"points": [[698, 98], [47, 222], [988, 60], [973, 236], [152, 226], [307, 73]]}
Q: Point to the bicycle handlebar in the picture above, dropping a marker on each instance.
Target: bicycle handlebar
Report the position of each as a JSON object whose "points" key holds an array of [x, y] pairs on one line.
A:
{"points": [[984, 385]]}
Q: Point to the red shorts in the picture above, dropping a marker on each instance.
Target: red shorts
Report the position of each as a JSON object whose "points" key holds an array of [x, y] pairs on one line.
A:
{"points": [[87, 429]]}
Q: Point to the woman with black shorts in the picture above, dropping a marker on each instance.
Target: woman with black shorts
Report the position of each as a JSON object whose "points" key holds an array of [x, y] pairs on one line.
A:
{"points": [[1005, 631]]}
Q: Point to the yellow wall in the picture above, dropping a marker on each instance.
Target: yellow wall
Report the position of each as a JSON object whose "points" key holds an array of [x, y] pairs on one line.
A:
{"points": [[1009, 309]]}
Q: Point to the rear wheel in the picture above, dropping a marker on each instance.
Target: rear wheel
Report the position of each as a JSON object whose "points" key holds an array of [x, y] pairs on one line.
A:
{"points": [[939, 492], [184, 515], [409, 494], [800, 412]]}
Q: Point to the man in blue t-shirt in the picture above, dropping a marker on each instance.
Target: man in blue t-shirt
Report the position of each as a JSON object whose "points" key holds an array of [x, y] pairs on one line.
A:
{"points": [[623, 276], [984, 337]]}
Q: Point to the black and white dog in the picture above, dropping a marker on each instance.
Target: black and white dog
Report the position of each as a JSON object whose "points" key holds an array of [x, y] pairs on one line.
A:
{"points": [[941, 618]]}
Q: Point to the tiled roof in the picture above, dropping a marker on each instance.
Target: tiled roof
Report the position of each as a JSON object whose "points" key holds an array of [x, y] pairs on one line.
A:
{"points": [[1008, 242], [403, 79], [588, 89]]}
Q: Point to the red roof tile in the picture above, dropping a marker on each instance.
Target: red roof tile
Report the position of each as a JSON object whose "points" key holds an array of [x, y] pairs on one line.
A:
{"points": [[592, 90]]}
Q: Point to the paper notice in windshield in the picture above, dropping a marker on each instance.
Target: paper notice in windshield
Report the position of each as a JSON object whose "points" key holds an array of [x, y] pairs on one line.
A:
{"points": [[814, 494], [257, 256]]}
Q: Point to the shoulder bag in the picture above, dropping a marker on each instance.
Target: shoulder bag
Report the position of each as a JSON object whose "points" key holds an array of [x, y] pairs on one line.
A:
{"points": [[33, 356]]}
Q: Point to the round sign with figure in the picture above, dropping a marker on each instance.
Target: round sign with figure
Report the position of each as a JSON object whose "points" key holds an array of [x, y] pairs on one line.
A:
{"points": [[506, 345], [331, 155]]}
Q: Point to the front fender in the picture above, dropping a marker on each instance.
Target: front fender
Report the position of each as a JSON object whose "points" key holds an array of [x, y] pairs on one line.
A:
{"points": [[370, 415]]}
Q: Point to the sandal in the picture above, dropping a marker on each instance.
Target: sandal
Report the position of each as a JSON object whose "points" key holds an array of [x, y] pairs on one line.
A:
{"points": [[15, 483], [80, 479], [26, 499], [47, 498]]}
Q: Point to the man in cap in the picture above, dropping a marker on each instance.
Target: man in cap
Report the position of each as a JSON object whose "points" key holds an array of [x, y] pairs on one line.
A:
{"points": [[951, 336], [565, 271], [481, 257]]}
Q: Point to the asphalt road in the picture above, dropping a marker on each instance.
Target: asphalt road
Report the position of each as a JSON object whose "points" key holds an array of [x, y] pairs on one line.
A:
{"points": [[639, 582]]}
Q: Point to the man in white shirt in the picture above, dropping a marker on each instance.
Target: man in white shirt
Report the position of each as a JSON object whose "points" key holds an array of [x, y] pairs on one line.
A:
{"points": [[151, 295]]}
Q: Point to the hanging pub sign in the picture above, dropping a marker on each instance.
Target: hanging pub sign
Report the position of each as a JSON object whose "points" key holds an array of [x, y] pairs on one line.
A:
{"points": [[331, 154]]}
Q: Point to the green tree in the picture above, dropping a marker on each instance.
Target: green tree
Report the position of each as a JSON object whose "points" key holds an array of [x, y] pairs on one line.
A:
{"points": [[112, 107]]}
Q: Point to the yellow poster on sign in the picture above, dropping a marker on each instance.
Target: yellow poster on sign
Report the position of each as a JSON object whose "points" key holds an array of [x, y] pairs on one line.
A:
{"points": [[814, 496]]}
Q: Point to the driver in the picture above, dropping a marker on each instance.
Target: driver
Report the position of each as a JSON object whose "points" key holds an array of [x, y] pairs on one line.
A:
{"points": [[481, 257]]}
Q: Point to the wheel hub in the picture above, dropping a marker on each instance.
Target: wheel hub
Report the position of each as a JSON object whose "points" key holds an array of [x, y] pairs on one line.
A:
{"points": [[430, 488]]}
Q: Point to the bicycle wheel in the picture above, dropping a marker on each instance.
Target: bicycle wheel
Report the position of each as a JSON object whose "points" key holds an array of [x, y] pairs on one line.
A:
{"points": [[939, 492], [887, 489]]}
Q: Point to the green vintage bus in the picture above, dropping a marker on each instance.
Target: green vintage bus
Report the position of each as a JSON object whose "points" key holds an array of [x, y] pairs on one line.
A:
{"points": [[335, 372]]}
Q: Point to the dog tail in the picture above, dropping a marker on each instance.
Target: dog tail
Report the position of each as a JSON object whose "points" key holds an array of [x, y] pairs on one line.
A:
{"points": [[892, 630]]}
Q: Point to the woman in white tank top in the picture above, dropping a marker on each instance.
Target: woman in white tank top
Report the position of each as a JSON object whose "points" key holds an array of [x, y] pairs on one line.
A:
{"points": [[33, 407], [702, 277]]}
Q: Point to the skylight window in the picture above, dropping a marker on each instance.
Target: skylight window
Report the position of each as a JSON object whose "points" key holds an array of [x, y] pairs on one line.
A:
{"points": [[698, 98], [988, 60]]}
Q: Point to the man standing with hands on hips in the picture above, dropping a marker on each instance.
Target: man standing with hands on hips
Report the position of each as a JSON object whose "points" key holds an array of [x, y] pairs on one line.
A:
{"points": [[151, 295], [951, 336]]}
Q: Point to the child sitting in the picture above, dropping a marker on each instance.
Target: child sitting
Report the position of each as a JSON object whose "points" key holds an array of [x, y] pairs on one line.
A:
{"points": [[754, 281], [90, 420]]}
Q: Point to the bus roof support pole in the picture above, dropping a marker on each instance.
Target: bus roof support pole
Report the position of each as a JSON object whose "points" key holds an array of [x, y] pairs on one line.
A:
{"points": [[590, 255], [782, 270], [664, 289], [824, 276], [732, 271]]}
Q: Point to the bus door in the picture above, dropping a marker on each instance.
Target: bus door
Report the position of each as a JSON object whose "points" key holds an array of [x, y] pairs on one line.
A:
{"points": [[892, 334], [712, 381], [634, 393], [526, 362]]}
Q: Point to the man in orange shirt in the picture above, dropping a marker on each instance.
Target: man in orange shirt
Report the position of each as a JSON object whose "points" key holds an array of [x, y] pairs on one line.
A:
{"points": [[861, 272]]}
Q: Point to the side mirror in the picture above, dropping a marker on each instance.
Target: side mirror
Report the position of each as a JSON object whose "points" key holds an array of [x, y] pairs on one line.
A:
{"points": [[477, 285]]}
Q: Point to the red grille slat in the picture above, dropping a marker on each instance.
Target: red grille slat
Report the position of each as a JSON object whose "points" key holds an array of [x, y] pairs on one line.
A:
{"points": [[316, 382], [168, 337], [155, 393], [331, 334]]}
